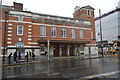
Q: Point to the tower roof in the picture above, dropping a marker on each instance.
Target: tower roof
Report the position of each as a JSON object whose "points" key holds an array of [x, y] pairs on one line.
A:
{"points": [[88, 7]]}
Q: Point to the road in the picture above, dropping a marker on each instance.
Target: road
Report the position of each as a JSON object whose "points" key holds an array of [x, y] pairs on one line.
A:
{"points": [[72, 69]]}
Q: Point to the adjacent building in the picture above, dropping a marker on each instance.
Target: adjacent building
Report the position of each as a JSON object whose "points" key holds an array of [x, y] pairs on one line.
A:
{"points": [[110, 28], [26, 31]]}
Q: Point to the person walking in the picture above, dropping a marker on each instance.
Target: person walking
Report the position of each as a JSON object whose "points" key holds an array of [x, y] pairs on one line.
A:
{"points": [[30, 55], [33, 56], [15, 56], [9, 58], [19, 56], [26, 57]]}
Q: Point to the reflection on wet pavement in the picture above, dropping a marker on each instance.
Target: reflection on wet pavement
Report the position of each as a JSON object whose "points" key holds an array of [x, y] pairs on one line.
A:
{"points": [[73, 69]]}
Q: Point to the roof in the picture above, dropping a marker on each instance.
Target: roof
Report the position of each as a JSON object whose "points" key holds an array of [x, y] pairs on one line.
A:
{"points": [[52, 18], [107, 14], [88, 7]]}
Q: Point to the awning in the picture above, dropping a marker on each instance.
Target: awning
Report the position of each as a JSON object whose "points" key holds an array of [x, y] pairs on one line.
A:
{"points": [[63, 41]]}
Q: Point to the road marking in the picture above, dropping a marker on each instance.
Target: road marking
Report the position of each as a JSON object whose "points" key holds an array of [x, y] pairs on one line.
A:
{"points": [[13, 66], [82, 67], [104, 74], [50, 73]]}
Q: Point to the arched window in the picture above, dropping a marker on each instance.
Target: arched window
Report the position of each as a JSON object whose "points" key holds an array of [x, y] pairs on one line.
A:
{"points": [[19, 44], [19, 30]]}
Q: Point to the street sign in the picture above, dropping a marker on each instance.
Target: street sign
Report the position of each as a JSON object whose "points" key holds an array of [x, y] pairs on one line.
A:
{"points": [[48, 44]]}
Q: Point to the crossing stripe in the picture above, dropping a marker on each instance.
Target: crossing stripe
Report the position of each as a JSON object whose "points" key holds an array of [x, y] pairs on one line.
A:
{"points": [[104, 74]]}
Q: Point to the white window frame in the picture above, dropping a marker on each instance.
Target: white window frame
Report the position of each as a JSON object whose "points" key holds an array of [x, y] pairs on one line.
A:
{"points": [[43, 31], [20, 18], [18, 33], [81, 33], [89, 12], [53, 31], [63, 32], [73, 33]]}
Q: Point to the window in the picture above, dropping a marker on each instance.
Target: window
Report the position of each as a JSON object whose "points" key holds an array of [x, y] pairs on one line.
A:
{"points": [[88, 12], [43, 31], [63, 32], [20, 18], [19, 30], [81, 33], [53, 31], [73, 33], [19, 44], [42, 48]]}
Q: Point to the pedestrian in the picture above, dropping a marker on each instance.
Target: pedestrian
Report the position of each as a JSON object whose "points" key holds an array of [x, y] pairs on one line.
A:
{"points": [[30, 54], [19, 56], [33, 56], [45, 52], [15, 56], [9, 58], [26, 57]]}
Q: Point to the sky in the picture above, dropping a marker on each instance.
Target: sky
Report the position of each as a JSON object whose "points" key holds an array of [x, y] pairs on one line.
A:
{"points": [[64, 8]]}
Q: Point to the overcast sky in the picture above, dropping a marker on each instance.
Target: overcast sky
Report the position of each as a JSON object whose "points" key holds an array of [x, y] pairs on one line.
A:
{"points": [[64, 7]]}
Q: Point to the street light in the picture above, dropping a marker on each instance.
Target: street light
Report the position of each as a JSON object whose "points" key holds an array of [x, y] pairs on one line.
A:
{"points": [[101, 33]]}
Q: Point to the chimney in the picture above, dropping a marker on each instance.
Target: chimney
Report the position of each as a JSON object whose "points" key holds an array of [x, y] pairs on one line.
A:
{"points": [[76, 8], [18, 6]]}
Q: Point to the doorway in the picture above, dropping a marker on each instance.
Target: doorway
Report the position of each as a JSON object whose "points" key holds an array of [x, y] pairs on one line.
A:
{"points": [[71, 50], [64, 50], [56, 51]]}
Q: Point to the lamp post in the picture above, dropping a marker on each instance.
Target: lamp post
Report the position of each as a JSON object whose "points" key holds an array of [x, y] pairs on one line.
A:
{"points": [[101, 34], [48, 44]]}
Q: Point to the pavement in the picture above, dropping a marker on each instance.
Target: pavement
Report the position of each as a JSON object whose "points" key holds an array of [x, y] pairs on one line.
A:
{"points": [[65, 67], [44, 59]]}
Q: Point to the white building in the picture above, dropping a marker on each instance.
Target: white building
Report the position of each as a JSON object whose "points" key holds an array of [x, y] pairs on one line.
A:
{"points": [[110, 27]]}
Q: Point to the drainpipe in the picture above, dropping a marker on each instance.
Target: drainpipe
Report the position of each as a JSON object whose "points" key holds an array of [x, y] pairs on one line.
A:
{"points": [[4, 43]]}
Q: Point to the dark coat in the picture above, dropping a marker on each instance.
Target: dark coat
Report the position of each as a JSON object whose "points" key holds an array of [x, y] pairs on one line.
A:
{"points": [[10, 55]]}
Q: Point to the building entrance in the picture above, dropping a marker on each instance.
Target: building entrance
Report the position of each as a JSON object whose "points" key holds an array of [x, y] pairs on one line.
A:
{"points": [[21, 52], [20, 49], [71, 50], [64, 50], [56, 51]]}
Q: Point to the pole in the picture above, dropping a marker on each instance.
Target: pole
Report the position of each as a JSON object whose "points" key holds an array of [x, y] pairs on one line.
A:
{"points": [[48, 42], [4, 50], [101, 33]]}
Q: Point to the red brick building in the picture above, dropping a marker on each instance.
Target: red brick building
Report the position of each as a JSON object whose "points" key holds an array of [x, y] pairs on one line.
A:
{"points": [[24, 31]]}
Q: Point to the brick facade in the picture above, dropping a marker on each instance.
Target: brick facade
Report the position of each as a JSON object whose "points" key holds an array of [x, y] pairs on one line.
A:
{"points": [[32, 23]]}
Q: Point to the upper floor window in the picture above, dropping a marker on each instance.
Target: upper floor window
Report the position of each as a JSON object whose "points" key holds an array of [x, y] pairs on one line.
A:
{"points": [[81, 33], [73, 33], [53, 31], [20, 18], [43, 31], [88, 12], [63, 32], [19, 30]]}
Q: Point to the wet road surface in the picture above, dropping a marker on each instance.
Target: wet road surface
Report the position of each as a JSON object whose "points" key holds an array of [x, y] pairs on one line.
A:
{"points": [[72, 68]]}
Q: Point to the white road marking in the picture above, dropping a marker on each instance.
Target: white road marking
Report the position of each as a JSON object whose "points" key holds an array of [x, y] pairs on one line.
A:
{"points": [[104, 74]]}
